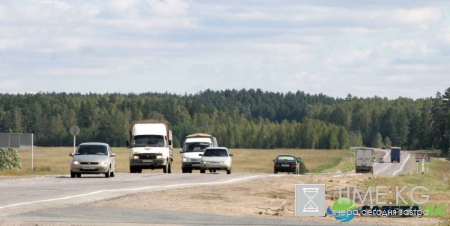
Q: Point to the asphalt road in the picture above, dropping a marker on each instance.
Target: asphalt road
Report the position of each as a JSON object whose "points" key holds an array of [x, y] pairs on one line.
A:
{"points": [[388, 168], [61, 200]]}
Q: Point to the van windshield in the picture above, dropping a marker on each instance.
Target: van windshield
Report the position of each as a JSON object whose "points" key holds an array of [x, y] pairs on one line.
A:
{"points": [[148, 141], [196, 146]]}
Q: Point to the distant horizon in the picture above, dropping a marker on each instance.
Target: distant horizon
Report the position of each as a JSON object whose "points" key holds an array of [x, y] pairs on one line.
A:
{"points": [[222, 90]]}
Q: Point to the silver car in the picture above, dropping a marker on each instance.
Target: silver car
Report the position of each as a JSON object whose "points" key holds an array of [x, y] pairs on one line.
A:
{"points": [[216, 158], [93, 158]]}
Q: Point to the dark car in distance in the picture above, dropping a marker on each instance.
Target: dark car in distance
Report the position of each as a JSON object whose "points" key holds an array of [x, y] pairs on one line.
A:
{"points": [[285, 163]]}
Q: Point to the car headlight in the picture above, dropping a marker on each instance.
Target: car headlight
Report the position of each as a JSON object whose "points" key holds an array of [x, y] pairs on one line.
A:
{"points": [[159, 156], [185, 159], [75, 162], [204, 162], [103, 163], [135, 156]]}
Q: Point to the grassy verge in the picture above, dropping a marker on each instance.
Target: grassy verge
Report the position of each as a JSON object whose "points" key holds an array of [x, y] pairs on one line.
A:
{"points": [[56, 160], [438, 188], [346, 163]]}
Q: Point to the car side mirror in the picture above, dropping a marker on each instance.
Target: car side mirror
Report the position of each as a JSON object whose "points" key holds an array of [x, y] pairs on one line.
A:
{"points": [[200, 154], [128, 143], [113, 155], [71, 154], [231, 155]]}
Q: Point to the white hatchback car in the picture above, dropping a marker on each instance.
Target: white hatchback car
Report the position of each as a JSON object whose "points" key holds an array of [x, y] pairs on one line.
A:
{"points": [[93, 158], [216, 158]]}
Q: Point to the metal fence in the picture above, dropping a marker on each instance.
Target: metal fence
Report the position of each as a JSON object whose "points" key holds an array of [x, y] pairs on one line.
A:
{"points": [[18, 140]]}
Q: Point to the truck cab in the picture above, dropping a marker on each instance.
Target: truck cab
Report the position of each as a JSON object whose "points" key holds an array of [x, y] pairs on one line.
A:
{"points": [[150, 147]]}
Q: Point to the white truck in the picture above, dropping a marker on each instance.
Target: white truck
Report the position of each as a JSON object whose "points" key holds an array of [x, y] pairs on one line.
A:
{"points": [[194, 145], [150, 146], [364, 160]]}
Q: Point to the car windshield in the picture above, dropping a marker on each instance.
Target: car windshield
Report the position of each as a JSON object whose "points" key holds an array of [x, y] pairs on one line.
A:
{"points": [[196, 147], [148, 141], [215, 152], [92, 150], [285, 158]]}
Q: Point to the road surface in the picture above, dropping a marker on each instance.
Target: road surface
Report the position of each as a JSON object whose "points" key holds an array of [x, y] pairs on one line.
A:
{"points": [[391, 169], [61, 200]]}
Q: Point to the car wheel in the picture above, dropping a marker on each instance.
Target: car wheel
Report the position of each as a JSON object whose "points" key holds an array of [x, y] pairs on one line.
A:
{"points": [[183, 170], [107, 174], [132, 170], [139, 170], [72, 174], [190, 171], [229, 171], [170, 168], [79, 175], [112, 174], [202, 171], [275, 171]]}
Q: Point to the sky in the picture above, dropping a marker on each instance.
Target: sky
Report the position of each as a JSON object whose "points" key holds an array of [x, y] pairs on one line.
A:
{"points": [[364, 48]]}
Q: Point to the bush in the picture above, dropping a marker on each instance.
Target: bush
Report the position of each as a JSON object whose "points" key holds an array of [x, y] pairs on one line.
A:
{"points": [[303, 169], [10, 159]]}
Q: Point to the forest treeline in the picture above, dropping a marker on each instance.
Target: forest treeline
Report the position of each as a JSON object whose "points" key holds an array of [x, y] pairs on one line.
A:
{"points": [[238, 118]]}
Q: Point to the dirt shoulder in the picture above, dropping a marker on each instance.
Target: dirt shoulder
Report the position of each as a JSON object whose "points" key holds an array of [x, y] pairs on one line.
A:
{"points": [[266, 197]]}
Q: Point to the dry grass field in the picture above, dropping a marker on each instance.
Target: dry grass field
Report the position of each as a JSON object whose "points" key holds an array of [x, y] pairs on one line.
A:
{"points": [[56, 160]]}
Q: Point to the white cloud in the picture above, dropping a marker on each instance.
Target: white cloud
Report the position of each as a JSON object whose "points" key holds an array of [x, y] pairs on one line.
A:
{"points": [[399, 78], [168, 7], [11, 85], [122, 5], [418, 16]]}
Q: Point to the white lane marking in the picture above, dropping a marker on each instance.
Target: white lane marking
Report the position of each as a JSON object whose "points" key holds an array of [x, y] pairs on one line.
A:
{"points": [[383, 157], [135, 189], [403, 165]]}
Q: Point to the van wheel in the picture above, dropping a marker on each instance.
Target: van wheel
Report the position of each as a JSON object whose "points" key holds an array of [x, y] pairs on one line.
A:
{"points": [[72, 174], [229, 171], [184, 170], [202, 171], [112, 174], [170, 167]]}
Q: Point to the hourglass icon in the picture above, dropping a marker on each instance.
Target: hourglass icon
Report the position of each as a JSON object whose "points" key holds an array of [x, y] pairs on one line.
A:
{"points": [[310, 205]]}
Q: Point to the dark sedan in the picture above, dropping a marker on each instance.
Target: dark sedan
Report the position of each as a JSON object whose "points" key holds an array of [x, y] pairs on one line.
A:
{"points": [[285, 163]]}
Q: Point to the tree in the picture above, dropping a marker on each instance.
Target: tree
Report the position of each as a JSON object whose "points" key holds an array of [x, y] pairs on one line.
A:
{"points": [[387, 142], [377, 141]]}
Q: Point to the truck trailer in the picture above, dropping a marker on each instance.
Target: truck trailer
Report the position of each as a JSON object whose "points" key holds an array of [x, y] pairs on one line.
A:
{"points": [[364, 160], [395, 154]]}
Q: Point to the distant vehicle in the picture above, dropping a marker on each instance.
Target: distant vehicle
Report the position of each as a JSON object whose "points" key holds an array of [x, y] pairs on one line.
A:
{"points": [[364, 160], [381, 160], [216, 158], [93, 158], [150, 146], [285, 163], [194, 145], [395, 154]]}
